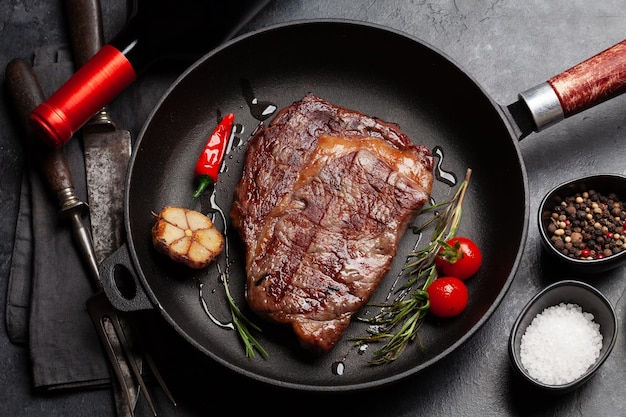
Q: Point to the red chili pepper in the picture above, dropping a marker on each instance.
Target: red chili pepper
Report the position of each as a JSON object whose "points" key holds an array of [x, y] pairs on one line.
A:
{"points": [[210, 159]]}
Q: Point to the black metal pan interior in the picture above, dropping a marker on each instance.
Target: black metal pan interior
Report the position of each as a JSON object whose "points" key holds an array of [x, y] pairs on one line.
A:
{"points": [[364, 67]]}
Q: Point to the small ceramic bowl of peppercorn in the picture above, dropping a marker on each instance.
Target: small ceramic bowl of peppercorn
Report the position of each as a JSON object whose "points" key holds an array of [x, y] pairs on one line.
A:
{"points": [[563, 336], [582, 223]]}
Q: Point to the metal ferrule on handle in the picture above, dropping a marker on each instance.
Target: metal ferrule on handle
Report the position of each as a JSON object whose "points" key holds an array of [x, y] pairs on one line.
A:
{"points": [[544, 105], [101, 122], [68, 199]]}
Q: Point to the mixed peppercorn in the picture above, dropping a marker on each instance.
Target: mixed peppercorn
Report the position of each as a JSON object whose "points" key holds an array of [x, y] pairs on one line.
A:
{"points": [[588, 225]]}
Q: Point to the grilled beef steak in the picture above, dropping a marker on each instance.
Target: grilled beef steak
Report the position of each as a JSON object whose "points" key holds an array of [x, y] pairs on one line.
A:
{"points": [[325, 197]]}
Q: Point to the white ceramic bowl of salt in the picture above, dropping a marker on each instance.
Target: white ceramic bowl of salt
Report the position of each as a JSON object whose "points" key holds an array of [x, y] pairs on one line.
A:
{"points": [[562, 336]]}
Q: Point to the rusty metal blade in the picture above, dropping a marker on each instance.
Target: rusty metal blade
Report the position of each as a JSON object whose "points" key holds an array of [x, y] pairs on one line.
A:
{"points": [[106, 161]]}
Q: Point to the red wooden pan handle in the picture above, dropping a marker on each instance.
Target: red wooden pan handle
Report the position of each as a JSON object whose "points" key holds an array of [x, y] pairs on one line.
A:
{"points": [[593, 81]]}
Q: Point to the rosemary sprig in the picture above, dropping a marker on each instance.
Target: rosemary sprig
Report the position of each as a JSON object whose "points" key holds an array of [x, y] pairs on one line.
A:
{"points": [[399, 322], [241, 323]]}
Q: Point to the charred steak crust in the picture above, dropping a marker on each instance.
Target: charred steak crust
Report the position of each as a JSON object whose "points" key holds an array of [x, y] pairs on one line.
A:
{"points": [[325, 197]]}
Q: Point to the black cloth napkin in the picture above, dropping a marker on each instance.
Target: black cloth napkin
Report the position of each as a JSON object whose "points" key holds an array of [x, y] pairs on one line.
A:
{"points": [[19, 288], [48, 283]]}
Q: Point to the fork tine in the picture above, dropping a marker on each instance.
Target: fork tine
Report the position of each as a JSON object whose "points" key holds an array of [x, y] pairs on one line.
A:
{"points": [[140, 345], [97, 319], [100, 307], [115, 321], [158, 377]]}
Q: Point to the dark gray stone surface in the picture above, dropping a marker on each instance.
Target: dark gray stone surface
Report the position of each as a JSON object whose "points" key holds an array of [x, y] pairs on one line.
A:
{"points": [[507, 46]]}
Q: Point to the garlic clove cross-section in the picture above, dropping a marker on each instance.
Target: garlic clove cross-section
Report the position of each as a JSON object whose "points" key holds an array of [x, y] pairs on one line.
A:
{"points": [[187, 236]]}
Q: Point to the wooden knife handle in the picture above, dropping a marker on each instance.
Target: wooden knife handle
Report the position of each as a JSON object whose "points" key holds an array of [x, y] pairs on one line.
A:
{"points": [[85, 19], [26, 93]]}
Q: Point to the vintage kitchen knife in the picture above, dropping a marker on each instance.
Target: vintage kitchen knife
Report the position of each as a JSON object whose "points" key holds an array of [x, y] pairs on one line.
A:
{"points": [[26, 93], [106, 148]]}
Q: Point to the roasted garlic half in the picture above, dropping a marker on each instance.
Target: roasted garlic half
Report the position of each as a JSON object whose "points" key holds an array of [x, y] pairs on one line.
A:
{"points": [[187, 236]]}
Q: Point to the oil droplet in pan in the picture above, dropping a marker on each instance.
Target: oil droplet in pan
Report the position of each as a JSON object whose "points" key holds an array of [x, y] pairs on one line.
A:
{"points": [[236, 141], [260, 110], [338, 368], [218, 217], [208, 313], [446, 177]]}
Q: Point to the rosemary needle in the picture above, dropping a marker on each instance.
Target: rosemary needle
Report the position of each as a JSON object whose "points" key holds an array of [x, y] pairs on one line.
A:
{"points": [[241, 323], [398, 323]]}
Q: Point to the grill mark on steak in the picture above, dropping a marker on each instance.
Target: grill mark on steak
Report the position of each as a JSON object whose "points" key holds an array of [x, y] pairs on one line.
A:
{"points": [[325, 197]]}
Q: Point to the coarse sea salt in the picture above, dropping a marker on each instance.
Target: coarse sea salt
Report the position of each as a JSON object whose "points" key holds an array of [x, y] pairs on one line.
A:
{"points": [[560, 344]]}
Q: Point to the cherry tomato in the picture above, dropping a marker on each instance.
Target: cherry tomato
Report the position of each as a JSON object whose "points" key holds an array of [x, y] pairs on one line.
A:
{"points": [[448, 296], [460, 257]]}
